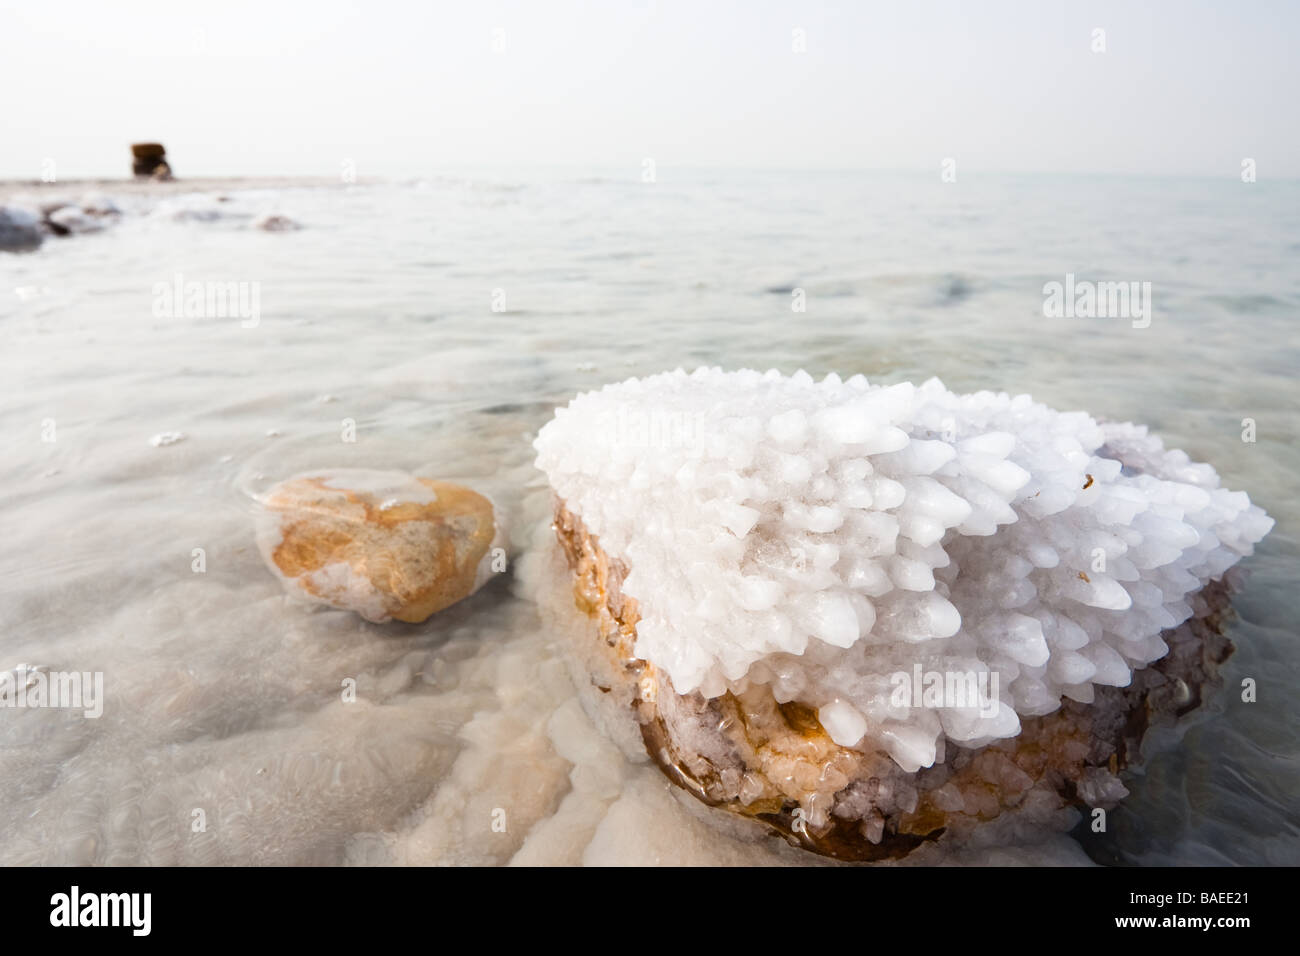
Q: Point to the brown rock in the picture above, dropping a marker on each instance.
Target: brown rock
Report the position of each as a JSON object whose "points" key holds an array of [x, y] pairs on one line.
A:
{"points": [[150, 159], [383, 544]]}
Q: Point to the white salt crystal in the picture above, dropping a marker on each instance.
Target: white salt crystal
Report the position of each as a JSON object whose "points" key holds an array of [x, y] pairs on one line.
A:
{"points": [[843, 722], [823, 537]]}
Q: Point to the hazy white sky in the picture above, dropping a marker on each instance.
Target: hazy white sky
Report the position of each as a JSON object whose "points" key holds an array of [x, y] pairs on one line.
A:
{"points": [[1183, 88]]}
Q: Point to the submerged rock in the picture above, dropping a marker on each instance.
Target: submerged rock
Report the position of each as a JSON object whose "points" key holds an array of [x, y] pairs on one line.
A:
{"points": [[873, 617], [71, 220], [275, 222], [19, 229], [66, 217], [384, 544], [190, 207], [98, 204]]}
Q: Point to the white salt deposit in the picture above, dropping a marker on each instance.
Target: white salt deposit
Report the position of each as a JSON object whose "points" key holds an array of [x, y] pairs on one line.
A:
{"points": [[825, 537]]}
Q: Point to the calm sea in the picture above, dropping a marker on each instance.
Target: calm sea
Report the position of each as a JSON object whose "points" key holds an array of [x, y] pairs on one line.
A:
{"points": [[445, 318]]}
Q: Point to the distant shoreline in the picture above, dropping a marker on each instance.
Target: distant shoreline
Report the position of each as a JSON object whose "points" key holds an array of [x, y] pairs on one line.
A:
{"points": [[10, 188]]}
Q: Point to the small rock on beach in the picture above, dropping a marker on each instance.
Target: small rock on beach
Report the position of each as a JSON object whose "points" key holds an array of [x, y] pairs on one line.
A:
{"points": [[385, 544]]}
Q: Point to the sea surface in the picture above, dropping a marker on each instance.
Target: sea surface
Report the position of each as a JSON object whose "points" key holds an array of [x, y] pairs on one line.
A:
{"points": [[446, 318]]}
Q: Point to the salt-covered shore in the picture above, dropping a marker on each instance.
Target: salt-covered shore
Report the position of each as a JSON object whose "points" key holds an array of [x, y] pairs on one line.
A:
{"points": [[12, 190], [32, 211]]}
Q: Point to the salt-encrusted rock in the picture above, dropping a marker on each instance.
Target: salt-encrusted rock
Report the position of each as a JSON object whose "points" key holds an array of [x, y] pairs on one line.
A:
{"points": [[275, 222], [190, 207], [19, 229], [63, 217], [778, 569], [72, 220], [99, 204], [383, 544]]}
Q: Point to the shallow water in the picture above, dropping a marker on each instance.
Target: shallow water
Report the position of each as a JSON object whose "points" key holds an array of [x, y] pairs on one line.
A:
{"points": [[466, 743]]}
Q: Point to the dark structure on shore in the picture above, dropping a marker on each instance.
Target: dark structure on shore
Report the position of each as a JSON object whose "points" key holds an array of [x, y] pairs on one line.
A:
{"points": [[150, 159]]}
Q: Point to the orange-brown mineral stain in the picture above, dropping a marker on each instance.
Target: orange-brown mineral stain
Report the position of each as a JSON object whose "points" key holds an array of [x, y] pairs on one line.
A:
{"points": [[419, 557]]}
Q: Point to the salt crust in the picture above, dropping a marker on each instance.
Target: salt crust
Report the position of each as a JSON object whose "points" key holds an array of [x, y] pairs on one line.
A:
{"points": [[822, 537]]}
